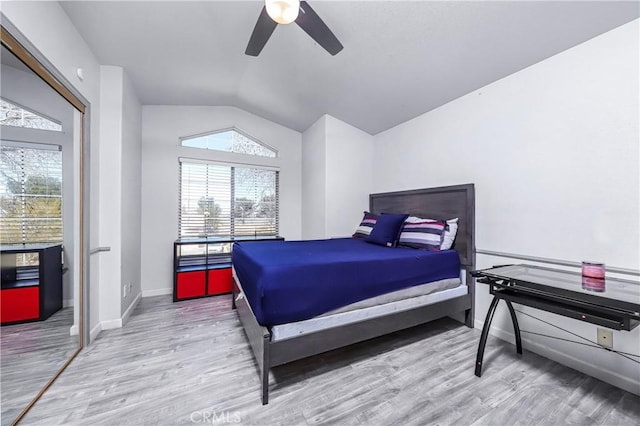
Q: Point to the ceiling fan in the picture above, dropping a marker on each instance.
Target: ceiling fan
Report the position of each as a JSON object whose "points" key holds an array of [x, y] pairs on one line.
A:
{"points": [[285, 12]]}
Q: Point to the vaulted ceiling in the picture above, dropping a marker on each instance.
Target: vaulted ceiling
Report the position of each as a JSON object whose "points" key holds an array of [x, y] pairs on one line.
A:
{"points": [[400, 58]]}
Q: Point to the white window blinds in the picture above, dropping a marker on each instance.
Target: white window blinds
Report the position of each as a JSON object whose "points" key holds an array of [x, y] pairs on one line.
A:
{"points": [[30, 194], [224, 200]]}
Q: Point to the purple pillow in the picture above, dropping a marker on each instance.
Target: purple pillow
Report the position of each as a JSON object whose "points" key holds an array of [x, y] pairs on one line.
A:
{"points": [[387, 229]]}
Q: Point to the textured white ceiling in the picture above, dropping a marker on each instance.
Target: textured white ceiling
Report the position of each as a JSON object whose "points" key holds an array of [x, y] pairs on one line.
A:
{"points": [[400, 59]]}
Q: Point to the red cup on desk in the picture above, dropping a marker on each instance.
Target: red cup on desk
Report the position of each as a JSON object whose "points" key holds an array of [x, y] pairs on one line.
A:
{"points": [[593, 276], [593, 270]]}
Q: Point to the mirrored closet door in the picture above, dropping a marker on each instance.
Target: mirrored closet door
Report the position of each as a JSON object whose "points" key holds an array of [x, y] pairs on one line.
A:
{"points": [[41, 229]]}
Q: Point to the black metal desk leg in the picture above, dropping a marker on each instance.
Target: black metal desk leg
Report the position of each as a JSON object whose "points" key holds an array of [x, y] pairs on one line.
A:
{"points": [[516, 327], [485, 333]]}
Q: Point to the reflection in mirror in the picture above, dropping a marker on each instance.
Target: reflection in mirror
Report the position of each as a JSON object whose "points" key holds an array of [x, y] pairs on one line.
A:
{"points": [[39, 221]]}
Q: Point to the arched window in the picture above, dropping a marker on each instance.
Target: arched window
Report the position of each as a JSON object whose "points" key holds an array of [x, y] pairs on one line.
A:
{"points": [[229, 140], [17, 116]]}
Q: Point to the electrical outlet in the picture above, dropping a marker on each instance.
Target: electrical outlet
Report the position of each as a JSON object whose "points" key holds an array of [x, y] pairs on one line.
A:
{"points": [[124, 291], [605, 338]]}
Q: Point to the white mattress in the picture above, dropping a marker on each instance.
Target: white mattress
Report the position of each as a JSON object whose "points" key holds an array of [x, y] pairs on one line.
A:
{"points": [[405, 293], [370, 308]]}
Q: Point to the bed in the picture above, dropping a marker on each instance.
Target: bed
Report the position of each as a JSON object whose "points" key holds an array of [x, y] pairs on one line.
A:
{"points": [[296, 319]]}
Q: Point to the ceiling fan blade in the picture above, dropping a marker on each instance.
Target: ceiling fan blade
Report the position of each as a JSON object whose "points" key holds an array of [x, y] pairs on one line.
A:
{"points": [[261, 33], [311, 23]]}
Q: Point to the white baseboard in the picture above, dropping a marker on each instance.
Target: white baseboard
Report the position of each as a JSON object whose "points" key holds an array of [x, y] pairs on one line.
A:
{"points": [[94, 332], [157, 292], [114, 323], [74, 330], [111, 324], [132, 306], [588, 368], [67, 303]]}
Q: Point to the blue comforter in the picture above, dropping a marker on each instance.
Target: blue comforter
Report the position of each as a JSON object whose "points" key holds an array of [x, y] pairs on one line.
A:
{"points": [[288, 281]]}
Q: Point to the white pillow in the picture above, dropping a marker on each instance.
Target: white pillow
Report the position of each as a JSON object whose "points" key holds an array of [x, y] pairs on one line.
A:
{"points": [[449, 234]]}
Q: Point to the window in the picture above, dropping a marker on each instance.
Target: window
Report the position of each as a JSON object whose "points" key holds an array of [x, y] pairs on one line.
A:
{"points": [[16, 116], [231, 141], [223, 200], [30, 194]]}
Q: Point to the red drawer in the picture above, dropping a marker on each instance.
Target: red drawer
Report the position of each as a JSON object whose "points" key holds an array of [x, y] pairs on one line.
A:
{"points": [[219, 281], [19, 304], [190, 284]]}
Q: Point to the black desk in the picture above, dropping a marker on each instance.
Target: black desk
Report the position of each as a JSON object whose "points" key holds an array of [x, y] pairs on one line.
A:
{"points": [[612, 303]]}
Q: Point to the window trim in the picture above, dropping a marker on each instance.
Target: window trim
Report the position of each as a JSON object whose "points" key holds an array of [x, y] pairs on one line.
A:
{"points": [[230, 129]]}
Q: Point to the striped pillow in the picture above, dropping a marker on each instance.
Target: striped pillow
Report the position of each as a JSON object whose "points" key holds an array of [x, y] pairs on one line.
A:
{"points": [[450, 230], [367, 224], [425, 235]]}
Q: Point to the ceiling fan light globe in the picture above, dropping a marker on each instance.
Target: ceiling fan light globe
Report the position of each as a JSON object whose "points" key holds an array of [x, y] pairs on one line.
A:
{"points": [[283, 11]]}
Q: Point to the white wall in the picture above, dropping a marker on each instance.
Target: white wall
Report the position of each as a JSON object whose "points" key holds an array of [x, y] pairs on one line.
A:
{"points": [[554, 153], [314, 148], [162, 126], [349, 176], [131, 194], [110, 189], [336, 178], [49, 29]]}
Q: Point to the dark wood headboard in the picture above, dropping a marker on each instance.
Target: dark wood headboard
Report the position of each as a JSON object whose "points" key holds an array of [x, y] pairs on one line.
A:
{"points": [[446, 202]]}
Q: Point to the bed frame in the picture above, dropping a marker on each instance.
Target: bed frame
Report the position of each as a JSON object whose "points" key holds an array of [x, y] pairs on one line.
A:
{"points": [[437, 203]]}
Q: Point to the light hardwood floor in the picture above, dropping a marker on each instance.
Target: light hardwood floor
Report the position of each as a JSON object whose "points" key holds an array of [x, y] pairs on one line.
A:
{"points": [[31, 353], [189, 363]]}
